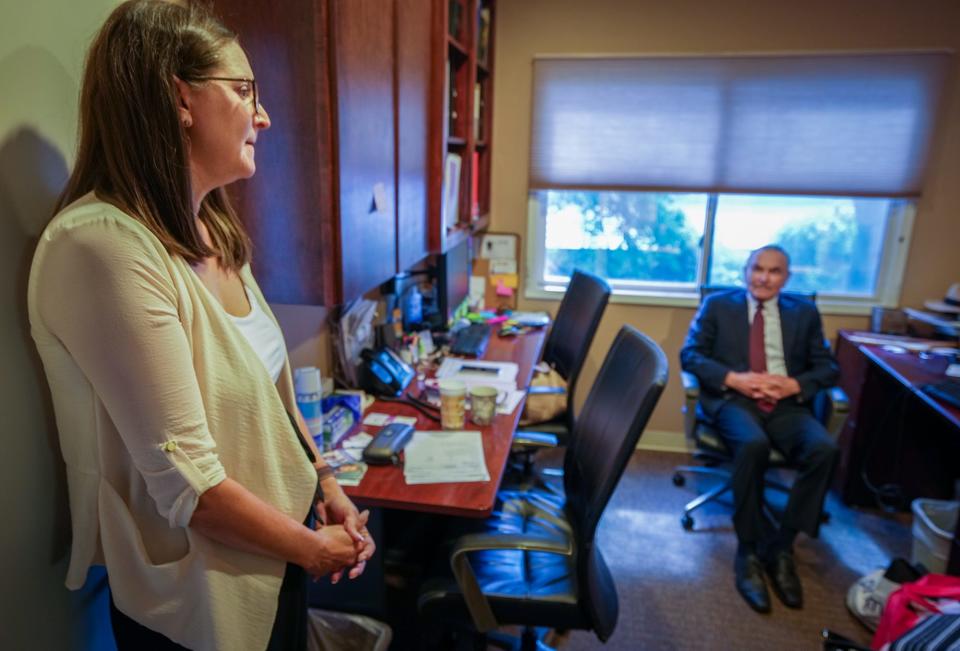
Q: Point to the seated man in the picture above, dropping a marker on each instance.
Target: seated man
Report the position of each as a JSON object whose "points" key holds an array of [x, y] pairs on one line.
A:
{"points": [[761, 358]]}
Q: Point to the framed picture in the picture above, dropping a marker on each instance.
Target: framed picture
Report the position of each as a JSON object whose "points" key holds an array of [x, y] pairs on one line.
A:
{"points": [[451, 190]]}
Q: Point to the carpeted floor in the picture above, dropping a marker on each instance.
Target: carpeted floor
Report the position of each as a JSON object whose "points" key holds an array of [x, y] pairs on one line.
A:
{"points": [[676, 587]]}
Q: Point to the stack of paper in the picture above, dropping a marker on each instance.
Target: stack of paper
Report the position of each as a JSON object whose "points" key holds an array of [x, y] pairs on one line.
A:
{"points": [[445, 457], [355, 445]]}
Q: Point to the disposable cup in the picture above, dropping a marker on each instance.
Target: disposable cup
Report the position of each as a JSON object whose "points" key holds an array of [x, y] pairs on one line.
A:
{"points": [[453, 402]]}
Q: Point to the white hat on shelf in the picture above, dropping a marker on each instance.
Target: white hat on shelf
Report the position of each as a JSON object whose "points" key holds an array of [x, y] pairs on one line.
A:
{"points": [[950, 303]]}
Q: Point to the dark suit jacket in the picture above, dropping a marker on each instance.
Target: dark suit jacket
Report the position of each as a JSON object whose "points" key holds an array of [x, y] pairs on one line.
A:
{"points": [[719, 339]]}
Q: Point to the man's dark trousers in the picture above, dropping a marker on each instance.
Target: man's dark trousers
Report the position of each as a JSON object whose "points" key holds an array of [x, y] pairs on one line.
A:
{"points": [[794, 432]]}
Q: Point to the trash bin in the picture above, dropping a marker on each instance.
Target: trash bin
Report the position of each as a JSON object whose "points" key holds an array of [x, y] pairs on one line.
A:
{"points": [[328, 630], [933, 525]]}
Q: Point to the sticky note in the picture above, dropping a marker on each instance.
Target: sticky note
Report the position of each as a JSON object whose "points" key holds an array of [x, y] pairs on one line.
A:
{"points": [[507, 280]]}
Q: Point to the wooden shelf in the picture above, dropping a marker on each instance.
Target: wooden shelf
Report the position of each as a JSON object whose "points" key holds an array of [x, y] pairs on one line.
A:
{"points": [[457, 235], [480, 224], [462, 108], [456, 47]]}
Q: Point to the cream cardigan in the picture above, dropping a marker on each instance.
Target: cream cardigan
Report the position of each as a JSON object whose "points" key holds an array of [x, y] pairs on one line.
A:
{"points": [[158, 397]]}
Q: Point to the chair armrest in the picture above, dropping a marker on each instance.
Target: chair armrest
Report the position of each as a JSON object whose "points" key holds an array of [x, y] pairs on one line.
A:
{"points": [[528, 439], [691, 393], [691, 385], [477, 604], [542, 389], [837, 410], [841, 403]]}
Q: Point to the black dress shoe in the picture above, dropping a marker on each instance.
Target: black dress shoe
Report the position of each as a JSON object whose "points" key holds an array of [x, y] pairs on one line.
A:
{"points": [[783, 576], [749, 580]]}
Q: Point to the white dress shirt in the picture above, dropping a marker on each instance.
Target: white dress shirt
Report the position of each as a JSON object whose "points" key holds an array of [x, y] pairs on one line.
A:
{"points": [[772, 333]]}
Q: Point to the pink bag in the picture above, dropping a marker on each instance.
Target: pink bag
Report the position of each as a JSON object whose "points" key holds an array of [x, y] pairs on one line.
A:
{"points": [[906, 605]]}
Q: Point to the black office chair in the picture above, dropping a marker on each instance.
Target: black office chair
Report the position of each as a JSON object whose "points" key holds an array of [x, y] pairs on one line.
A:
{"points": [[830, 407], [568, 343], [550, 573]]}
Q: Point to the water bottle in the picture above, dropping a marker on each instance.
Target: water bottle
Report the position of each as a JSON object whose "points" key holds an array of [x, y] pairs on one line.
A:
{"points": [[306, 382]]}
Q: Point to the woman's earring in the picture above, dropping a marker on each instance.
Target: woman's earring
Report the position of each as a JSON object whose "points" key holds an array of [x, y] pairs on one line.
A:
{"points": [[187, 124]]}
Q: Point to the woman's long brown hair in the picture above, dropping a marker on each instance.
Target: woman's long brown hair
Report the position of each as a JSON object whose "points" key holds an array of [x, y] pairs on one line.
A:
{"points": [[133, 149]]}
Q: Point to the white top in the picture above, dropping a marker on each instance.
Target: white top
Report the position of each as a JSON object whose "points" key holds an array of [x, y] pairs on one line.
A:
{"points": [[263, 335], [158, 398], [772, 333]]}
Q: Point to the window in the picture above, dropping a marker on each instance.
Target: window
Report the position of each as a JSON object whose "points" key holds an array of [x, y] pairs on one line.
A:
{"points": [[662, 173], [667, 244]]}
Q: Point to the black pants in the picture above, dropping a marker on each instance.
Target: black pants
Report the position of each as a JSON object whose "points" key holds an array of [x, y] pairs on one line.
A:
{"points": [[803, 441], [289, 627]]}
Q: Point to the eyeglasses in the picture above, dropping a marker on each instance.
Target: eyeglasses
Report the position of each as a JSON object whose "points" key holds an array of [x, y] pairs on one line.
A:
{"points": [[253, 86]]}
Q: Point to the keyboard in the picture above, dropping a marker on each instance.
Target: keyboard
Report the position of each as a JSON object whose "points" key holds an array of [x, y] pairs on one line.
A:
{"points": [[947, 391], [471, 341]]}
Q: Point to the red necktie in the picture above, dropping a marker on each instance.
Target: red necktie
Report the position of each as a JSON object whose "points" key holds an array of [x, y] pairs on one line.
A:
{"points": [[758, 354]]}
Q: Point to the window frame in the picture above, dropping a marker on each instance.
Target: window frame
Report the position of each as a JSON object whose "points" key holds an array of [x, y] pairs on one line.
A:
{"points": [[896, 245]]}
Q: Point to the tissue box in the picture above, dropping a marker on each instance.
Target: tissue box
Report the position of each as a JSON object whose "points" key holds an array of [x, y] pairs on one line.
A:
{"points": [[340, 414]]}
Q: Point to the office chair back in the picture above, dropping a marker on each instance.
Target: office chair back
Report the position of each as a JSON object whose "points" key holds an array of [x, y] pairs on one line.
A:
{"points": [[578, 318], [507, 575], [616, 411]]}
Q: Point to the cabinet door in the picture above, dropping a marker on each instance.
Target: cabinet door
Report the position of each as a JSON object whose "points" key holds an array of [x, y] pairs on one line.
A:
{"points": [[362, 31], [288, 205], [416, 80]]}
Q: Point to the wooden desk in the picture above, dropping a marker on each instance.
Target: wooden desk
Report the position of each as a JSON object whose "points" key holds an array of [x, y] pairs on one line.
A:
{"points": [[384, 486], [895, 433]]}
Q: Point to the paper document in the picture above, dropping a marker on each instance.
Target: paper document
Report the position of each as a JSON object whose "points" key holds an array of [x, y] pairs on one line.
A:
{"points": [[445, 457], [376, 419], [510, 401], [355, 444], [502, 246]]}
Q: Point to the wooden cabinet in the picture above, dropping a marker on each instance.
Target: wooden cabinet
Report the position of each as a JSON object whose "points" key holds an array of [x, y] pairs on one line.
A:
{"points": [[321, 208], [417, 82], [349, 182]]}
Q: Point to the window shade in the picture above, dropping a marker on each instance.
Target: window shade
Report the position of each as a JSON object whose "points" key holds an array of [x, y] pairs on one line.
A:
{"points": [[850, 125]]}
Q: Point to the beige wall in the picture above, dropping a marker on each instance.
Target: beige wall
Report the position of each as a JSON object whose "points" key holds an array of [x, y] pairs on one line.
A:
{"points": [[526, 28], [41, 57]]}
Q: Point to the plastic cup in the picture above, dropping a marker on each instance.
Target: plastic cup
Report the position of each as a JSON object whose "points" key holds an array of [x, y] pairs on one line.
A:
{"points": [[453, 403], [483, 405]]}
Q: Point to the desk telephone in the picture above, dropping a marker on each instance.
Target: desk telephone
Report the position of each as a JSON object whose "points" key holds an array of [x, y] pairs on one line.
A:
{"points": [[383, 373]]}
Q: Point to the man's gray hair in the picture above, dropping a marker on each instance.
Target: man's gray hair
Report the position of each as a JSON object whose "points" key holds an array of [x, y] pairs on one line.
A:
{"points": [[769, 247]]}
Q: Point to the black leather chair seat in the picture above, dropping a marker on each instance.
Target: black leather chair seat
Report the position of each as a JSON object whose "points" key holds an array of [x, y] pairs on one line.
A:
{"points": [[529, 510], [519, 585], [557, 427]]}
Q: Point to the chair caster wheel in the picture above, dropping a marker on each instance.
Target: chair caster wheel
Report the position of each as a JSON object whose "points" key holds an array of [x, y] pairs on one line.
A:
{"points": [[678, 479], [686, 522]]}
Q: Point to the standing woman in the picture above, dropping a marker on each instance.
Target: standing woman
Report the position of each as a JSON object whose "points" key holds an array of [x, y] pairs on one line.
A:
{"points": [[169, 375]]}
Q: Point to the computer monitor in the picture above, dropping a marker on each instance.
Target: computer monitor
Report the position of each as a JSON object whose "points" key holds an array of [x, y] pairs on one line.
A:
{"points": [[453, 280]]}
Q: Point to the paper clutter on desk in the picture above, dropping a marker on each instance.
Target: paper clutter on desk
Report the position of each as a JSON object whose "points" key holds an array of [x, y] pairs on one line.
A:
{"points": [[445, 457]]}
